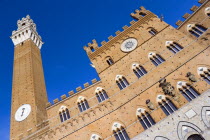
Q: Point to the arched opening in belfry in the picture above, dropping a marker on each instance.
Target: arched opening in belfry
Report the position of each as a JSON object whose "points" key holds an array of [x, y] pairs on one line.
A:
{"points": [[195, 137]]}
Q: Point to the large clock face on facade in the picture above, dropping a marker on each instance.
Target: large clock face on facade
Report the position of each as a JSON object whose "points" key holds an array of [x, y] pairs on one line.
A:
{"points": [[129, 45], [22, 112]]}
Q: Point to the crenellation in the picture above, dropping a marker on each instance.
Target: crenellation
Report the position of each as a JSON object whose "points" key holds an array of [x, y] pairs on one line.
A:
{"points": [[94, 81], [55, 100], [92, 47], [125, 27], [186, 15], [103, 42], [110, 37], [132, 22], [86, 85], [48, 104], [26, 31], [63, 97], [117, 32], [202, 1], [194, 8], [139, 13], [78, 89], [71, 93]]}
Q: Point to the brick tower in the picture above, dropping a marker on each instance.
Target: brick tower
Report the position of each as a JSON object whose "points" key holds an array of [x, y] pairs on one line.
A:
{"points": [[29, 95]]}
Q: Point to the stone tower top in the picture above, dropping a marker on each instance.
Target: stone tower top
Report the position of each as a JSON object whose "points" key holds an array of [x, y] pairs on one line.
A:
{"points": [[26, 30]]}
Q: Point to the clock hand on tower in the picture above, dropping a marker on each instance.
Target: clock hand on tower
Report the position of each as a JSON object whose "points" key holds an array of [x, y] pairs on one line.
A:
{"points": [[22, 111]]}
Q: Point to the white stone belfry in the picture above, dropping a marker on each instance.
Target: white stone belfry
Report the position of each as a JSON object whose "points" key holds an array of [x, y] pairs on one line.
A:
{"points": [[26, 30]]}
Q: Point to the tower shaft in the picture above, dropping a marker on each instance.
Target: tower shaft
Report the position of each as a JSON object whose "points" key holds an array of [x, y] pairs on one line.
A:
{"points": [[29, 95]]}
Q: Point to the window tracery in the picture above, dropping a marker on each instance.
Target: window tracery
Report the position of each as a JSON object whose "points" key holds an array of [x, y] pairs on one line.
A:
{"points": [[155, 58], [101, 94], [82, 104], [121, 82], [64, 113], [144, 118], [196, 30], [138, 70], [119, 132], [187, 90]]}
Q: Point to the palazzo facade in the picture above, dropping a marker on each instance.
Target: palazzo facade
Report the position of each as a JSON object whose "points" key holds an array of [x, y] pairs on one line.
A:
{"points": [[154, 84]]}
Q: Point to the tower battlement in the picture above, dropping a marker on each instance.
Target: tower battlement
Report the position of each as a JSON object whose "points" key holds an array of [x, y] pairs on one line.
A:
{"points": [[93, 46], [28, 78], [141, 15], [26, 30]]}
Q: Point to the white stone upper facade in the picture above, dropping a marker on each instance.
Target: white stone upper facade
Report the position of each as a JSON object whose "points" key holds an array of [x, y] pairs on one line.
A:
{"points": [[26, 30]]}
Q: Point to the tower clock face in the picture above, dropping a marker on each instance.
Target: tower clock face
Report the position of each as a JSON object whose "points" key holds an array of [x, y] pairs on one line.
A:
{"points": [[129, 45], [22, 112]]}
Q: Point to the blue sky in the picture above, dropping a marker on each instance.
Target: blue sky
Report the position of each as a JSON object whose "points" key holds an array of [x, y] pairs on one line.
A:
{"points": [[66, 26]]}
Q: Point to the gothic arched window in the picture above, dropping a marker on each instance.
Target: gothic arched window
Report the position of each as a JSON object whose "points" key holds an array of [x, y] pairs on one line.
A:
{"points": [[95, 137], [144, 118], [187, 90], [196, 30], [64, 113], [204, 72], [109, 60], [121, 82], [166, 105], [173, 46], [138, 70], [207, 11], [156, 58], [82, 104], [195, 137], [101, 94], [119, 132]]}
